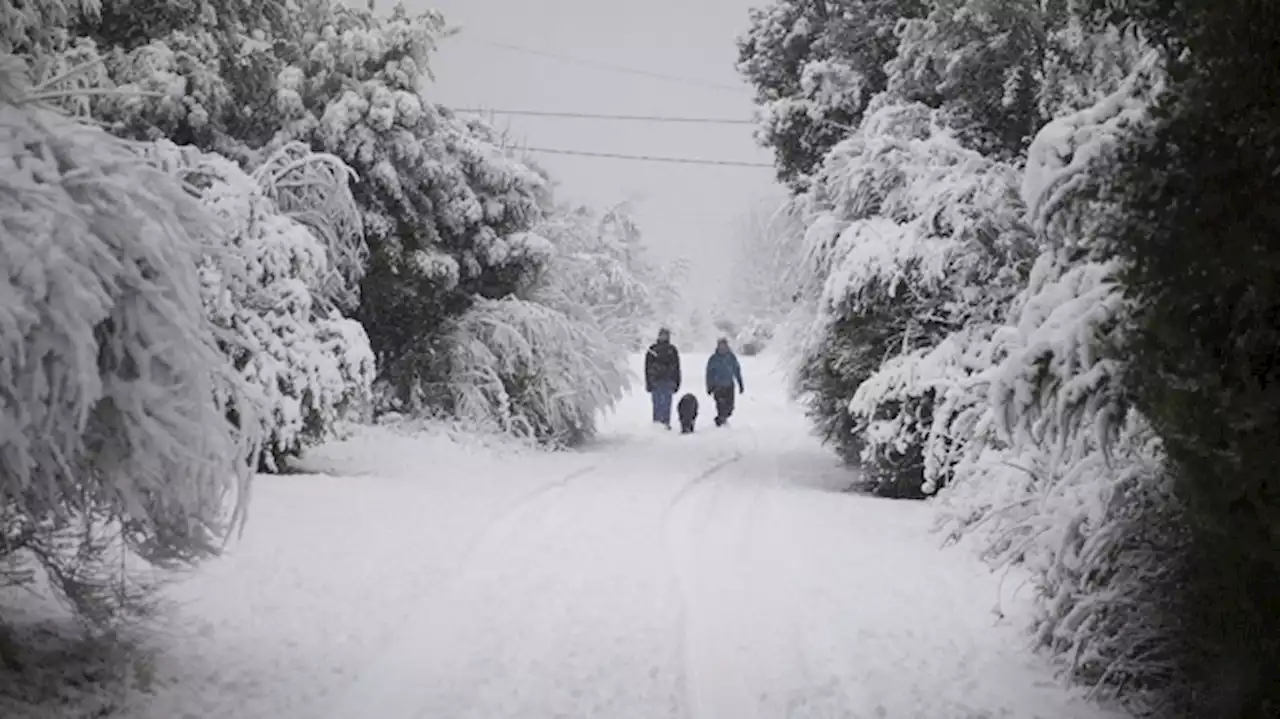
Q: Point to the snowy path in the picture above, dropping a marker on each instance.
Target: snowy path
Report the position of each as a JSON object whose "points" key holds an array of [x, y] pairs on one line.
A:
{"points": [[653, 575]]}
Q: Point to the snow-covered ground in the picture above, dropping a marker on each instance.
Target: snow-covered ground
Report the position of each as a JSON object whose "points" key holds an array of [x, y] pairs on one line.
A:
{"points": [[650, 575]]}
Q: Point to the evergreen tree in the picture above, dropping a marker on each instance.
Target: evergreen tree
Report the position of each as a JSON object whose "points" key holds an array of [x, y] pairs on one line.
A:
{"points": [[816, 64], [981, 60], [1202, 239]]}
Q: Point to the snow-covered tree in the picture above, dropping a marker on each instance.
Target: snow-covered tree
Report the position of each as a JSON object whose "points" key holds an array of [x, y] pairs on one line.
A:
{"points": [[446, 209], [38, 27], [816, 64], [981, 60], [274, 290], [1197, 231], [1047, 454], [764, 284], [1086, 58], [1002, 68], [668, 290], [546, 361], [534, 370], [910, 237], [196, 73], [116, 438], [597, 271], [1068, 393]]}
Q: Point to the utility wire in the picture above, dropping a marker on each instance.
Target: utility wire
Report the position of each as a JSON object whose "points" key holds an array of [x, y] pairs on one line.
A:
{"points": [[646, 158], [598, 116], [606, 66]]}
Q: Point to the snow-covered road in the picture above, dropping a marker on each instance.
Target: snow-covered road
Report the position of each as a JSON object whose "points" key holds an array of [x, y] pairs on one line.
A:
{"points": [[713, 576]]}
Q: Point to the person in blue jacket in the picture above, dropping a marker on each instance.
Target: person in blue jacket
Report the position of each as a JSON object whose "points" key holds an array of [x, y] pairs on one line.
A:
{"points": [[662, 376], [722, 371]]}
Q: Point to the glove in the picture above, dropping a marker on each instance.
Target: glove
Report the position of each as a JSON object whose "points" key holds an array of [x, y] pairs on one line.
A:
{"points": [[742, 390], [710, 391]]}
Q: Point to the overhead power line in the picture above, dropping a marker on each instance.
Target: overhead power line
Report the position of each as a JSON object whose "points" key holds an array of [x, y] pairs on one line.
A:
{"points": [[648, 158], [694, 82], [599, 116]]}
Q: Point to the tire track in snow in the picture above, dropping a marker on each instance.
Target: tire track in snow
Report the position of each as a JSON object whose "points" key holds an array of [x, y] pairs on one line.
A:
{"points": [[523, 504], [622, 518], [506, 517], [683, 593], [700, 478], [382, 681], [818, 693], [744, 650], [500, 526]]}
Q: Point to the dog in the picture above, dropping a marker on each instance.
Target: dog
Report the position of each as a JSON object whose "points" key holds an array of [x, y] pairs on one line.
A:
{"points": [[688, 411]]}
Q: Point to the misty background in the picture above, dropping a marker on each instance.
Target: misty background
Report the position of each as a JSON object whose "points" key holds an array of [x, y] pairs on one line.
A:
{"points": [[573, 56]]}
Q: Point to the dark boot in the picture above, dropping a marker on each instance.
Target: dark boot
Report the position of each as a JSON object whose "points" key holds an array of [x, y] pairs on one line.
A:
{"points": [[724, 404]]}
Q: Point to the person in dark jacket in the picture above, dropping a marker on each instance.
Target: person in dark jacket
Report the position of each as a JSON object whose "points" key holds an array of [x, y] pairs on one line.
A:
{"points": [[722, 371], [662, 376]]}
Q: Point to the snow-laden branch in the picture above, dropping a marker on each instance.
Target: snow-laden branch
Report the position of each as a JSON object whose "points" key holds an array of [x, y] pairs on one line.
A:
{"points": [[533, 371], [314, 189], [116, 393]]}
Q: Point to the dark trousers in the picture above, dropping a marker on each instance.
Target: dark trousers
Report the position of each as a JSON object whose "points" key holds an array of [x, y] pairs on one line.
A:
{"points": [[724, 397]]}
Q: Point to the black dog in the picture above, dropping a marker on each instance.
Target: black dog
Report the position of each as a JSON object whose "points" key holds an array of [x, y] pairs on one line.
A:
{"points": [[688, 411]]}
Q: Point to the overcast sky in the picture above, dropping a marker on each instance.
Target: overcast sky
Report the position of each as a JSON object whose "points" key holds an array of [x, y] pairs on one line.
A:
{"points": [[684, 210]]}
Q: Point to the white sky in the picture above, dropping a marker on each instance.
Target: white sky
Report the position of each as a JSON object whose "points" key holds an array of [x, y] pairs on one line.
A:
{"points": [[684, 210]]}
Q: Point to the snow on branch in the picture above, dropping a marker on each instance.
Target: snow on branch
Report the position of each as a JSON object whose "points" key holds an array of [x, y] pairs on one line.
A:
{"points": [[903, 202], [1051, 464], [311, 368], [592, 271], [911, 237], [313, 188], [115, 393], [533, 371], [1060, 158], [267, 286]]}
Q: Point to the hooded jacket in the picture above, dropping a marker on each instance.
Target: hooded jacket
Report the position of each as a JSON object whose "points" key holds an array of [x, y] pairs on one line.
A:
{"points": [[661, 363], [722, 370]]}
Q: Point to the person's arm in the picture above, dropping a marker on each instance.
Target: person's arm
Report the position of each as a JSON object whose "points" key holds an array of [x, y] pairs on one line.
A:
{"points": [[675, 357], [737, 373], [710, 359], [648, 370]]}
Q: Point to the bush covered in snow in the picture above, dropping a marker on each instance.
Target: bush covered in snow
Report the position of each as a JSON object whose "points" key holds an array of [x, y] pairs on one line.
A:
{"points": [[1197, 231], [911, 237], [117, 439], [753, 337], [273, 290], [439, 212], [597, 271], [1058, 467], [533, 370], [1006, 301], [544, 362]]}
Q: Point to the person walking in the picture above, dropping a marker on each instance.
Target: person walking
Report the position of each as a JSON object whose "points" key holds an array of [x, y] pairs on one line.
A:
{"points": [[722, 371], [662, 376]]}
